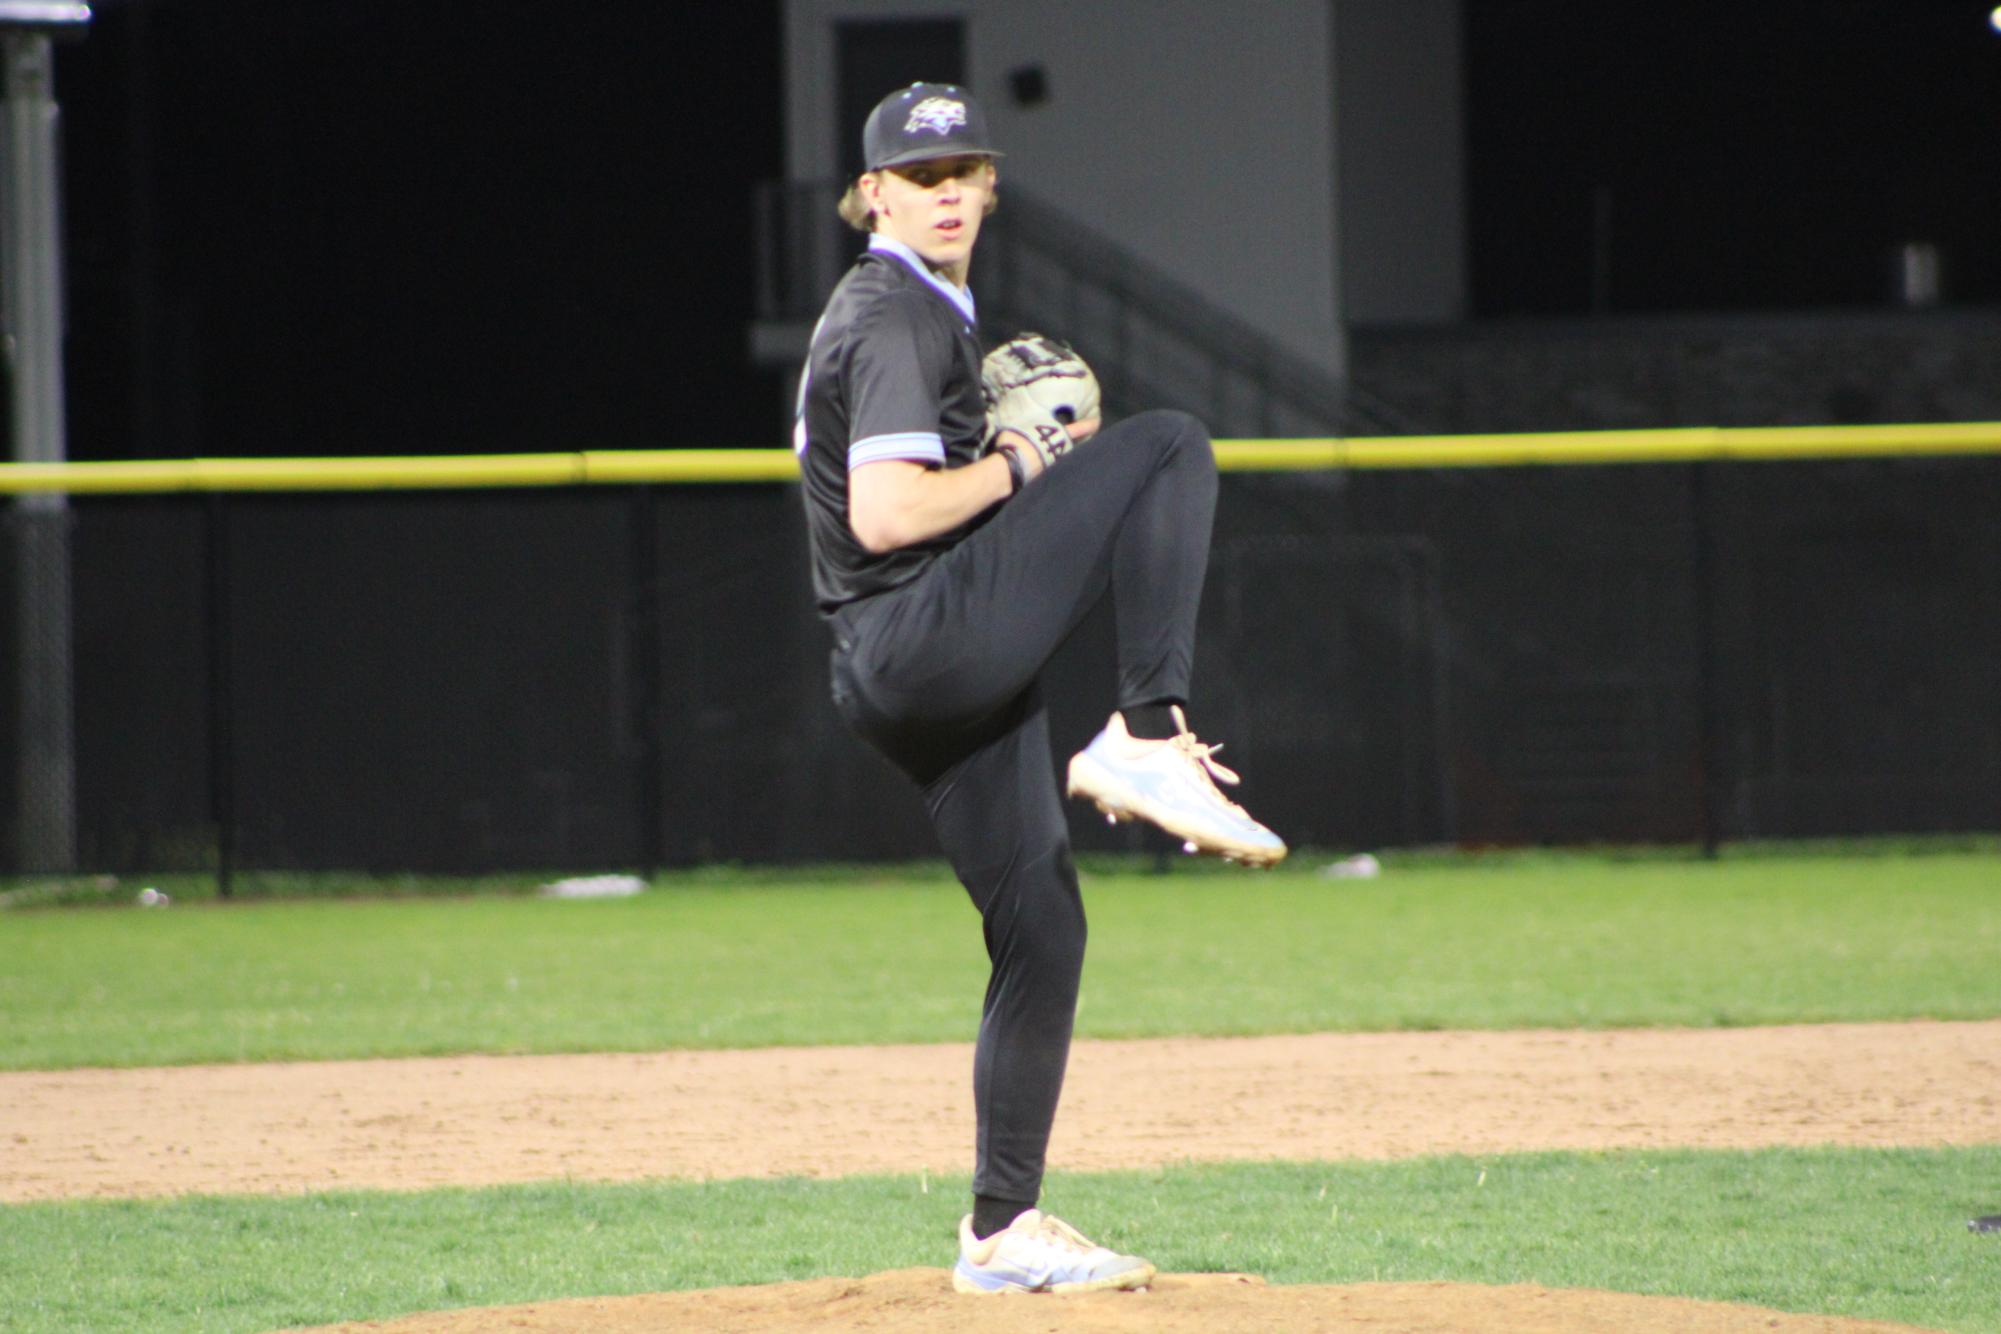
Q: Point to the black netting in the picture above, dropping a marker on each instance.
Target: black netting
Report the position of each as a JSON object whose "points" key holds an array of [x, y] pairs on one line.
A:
{"points": [[603, 678], [38, 642], [432, 682], [145, 710]]}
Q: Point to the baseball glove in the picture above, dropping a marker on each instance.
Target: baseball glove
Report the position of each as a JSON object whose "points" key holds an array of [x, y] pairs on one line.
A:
{"points": [[1038, 386]]}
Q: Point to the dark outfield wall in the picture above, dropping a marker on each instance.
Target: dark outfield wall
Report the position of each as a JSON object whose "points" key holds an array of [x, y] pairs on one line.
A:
{"points": [[598, 679]]}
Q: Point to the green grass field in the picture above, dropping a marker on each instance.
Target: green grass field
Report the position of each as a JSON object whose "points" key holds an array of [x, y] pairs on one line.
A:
{"points": [[742, 958], [1840, 1232]]}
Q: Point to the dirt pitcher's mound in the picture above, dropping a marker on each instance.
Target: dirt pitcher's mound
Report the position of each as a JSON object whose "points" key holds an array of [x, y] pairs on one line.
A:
{"points": [[922, 1300]]}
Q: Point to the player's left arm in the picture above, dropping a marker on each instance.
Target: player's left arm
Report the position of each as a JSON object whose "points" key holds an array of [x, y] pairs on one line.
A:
{"points": [[1040, 392]]}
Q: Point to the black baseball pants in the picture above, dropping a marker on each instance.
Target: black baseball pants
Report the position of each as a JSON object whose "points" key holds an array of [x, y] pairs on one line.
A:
{"points": [[940, 676]]}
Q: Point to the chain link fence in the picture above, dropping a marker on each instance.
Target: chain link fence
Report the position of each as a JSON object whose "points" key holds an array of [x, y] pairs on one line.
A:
{"points": [[630, 678], [37, 641]]}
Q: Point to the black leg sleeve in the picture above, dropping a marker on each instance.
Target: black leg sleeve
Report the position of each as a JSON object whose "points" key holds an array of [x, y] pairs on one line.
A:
{"points": [[999, 817]]}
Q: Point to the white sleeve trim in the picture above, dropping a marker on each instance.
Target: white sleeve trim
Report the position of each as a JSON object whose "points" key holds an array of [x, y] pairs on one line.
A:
{"points": [[917, 446]]}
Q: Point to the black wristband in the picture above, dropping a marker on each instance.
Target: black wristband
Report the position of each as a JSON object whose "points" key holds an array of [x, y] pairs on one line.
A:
{"points": [[1014, 469]]}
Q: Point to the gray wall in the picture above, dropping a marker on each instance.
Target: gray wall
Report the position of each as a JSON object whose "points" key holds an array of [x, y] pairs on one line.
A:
{"points": [[1402, 204], [1202, 135]]}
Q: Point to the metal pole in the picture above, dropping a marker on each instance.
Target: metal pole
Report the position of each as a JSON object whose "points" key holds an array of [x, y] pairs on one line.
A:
{"points": [[1710, 778], [33, 279], [651, 633], [221, 695], [1447, 746]]}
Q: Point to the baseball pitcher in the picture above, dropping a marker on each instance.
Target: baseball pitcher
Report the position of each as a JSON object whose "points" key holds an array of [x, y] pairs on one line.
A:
{"points": [[965, 514]]}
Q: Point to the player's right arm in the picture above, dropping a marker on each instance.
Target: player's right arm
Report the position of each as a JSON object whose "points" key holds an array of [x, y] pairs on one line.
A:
{"points": [[896, 502], [900, 492]]}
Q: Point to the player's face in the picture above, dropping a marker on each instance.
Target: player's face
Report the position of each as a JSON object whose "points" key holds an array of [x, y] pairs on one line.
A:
{"points": [[935, 208]]}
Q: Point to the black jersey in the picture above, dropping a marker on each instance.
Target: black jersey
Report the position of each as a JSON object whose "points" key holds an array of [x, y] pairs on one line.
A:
{"points": [[894, 373]]}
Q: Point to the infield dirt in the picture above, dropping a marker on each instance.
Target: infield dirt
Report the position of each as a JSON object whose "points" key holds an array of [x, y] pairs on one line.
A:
{"points": [[829, 1111]]}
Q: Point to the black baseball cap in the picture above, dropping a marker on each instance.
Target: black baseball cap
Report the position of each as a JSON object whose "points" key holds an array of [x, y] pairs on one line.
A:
{"points": [[925, 120]]}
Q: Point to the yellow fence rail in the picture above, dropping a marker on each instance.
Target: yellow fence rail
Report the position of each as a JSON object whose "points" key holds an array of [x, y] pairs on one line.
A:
{"points": [[628, 467]]}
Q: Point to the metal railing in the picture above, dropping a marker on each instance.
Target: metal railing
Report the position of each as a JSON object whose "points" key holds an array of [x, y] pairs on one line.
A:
{"points": [[1152, 339]]}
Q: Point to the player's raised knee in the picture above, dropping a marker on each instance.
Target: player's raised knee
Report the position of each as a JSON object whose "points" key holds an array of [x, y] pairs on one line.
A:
{"points": [[1177, 431]]}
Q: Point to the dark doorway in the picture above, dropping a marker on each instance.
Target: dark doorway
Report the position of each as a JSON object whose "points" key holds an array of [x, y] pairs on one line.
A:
{"points": [[878, 56]]}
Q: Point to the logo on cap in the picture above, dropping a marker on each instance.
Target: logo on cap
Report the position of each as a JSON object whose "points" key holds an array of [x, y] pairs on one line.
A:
{"points": [[940, 115]]}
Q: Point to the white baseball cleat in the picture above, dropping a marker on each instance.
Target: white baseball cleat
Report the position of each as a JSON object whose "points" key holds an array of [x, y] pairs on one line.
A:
{"points": [[1040, 1252], [1172, 784]]}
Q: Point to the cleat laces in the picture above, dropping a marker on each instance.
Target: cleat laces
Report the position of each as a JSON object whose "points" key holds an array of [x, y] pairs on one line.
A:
{"points": [[1061, 1235], [1203, 757]]}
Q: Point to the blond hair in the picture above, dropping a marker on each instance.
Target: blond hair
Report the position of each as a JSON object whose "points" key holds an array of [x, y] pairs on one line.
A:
{"points": [[855, 210]]}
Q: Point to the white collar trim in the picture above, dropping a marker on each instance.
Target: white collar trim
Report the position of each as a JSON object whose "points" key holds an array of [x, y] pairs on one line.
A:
{"points": [[962, 297]]}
